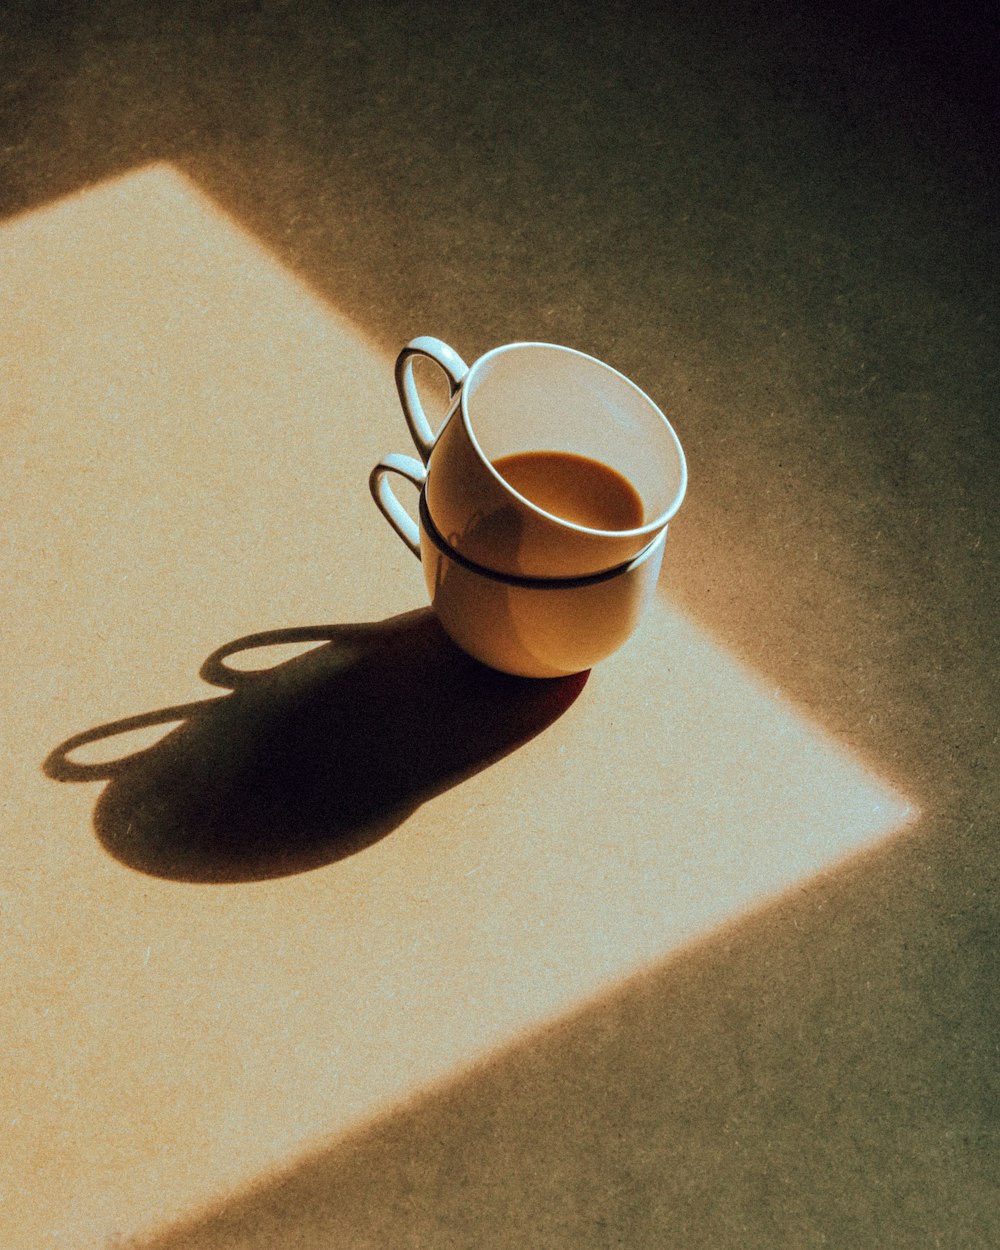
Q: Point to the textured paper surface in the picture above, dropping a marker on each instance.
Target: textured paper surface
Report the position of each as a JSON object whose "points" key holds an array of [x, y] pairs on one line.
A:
{"points": [[190, 467], [781, 224]]}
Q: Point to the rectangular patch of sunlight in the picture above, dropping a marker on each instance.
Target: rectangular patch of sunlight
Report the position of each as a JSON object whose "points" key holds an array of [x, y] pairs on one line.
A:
{"points": [[188, 434]]}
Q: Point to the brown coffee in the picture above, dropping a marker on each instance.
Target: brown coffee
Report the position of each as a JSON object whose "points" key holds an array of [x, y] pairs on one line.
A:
{"points": [[574, 488]]}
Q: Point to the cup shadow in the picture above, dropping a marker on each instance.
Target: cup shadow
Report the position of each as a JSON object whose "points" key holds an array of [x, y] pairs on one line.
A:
{"points": [[306, 762]]}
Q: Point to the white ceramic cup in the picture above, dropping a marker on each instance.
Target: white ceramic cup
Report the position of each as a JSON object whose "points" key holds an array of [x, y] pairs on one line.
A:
{"points": [[531, 398], [532, 627]]}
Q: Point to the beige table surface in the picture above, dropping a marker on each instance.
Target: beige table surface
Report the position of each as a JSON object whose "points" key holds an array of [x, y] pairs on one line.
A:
{"points": [[315, 933]]}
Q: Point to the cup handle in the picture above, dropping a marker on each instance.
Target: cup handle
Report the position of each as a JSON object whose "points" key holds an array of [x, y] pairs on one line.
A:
{"points": [[413, 410], [386, 500]]}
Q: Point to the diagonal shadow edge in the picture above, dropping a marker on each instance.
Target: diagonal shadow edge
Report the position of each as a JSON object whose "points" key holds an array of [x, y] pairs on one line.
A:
{"points": [[338, 1185]]}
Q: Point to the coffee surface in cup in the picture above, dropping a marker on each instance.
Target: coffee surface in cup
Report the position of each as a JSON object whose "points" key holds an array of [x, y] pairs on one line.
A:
{"points": [[574, 488]]}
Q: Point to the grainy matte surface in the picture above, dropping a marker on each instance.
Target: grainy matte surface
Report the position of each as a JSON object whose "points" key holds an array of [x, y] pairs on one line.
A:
{"points": [[220, 221]]}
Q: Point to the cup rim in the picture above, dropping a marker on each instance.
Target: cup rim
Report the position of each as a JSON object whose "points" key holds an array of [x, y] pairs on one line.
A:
{"points": [[650, 527], [532, 583]]}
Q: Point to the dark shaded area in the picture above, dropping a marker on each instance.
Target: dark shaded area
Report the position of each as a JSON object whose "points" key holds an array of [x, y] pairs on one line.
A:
{"points": [[312, 760], [271, 103]]}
